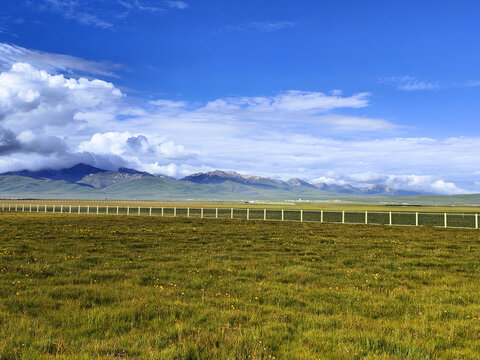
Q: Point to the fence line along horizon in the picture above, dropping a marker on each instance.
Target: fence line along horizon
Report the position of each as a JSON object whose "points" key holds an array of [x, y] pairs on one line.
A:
{"points": [[390, 218]]}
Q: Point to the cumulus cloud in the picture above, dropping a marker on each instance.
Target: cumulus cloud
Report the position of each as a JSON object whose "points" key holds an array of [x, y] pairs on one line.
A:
{"points": [[329, 178], [138, 151], [8, 141], [59, 119], [418, 183], [175, 170], [41, 144], [128, 145], [425, 183], [52, 120], [31, 98]]}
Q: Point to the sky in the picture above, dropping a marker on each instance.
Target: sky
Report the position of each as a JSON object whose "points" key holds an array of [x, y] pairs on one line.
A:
{"points": [[340, 92]]}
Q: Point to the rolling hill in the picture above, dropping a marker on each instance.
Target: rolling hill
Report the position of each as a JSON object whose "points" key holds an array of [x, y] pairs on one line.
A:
{"points": [[83, 181]]}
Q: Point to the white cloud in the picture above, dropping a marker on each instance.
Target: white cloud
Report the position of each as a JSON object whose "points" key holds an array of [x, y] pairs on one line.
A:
{"points": [[417, 183], [410, 83], [31, 98], [425, 183], [153, 6], [73, 10], [290, 101], [367, 177], [168, 103], [53, 63], [105, 15], [135, 148], [176, 4], [174, 170], [342, 123], [329, 180], [54, 120]]}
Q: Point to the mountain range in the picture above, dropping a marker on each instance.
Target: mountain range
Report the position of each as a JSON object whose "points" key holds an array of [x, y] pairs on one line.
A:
{"points": [[86, 181]]}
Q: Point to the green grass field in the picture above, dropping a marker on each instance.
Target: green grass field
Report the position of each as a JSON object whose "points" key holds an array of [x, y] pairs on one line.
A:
{"points": [[106, 287]]}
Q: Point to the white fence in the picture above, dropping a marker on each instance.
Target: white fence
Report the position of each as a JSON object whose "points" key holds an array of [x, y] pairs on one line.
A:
{"points": [[446, 220]]}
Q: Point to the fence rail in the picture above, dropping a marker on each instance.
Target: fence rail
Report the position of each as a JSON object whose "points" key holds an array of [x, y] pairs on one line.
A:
{"points": [[446, 220]]}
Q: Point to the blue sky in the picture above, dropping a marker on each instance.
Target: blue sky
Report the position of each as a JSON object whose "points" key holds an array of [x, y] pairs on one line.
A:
{"points": [[330, 91]]}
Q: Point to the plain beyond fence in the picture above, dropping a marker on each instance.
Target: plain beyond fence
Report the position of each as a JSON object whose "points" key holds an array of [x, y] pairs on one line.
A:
{"points": [[446, 220]]}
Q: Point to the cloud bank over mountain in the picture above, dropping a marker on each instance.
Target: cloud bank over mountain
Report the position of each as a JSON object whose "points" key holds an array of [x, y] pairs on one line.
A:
{"points": [[52, 117]]}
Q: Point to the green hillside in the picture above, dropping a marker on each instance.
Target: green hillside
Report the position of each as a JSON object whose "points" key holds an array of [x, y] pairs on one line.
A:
{"points": [[153, 188]]}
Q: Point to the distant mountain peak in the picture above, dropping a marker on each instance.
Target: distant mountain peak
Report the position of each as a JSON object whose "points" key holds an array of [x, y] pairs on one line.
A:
{"points": [[220, 176], [299, 182], [83, 166], [220, 180], [125, 170], [71, 174]]}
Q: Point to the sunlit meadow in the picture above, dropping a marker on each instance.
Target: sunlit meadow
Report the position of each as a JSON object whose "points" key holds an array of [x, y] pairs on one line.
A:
{"points": [[105, 287]]}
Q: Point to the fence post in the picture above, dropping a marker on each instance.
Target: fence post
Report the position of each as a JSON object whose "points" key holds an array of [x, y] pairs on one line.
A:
{"points": [[88, 209], [16, 207], [201, 213], [53, 209], [38, 208], [150, 211], [264, 214], [79, 208], [97, 209], [106, 210], [128, 210], [117, 210], [343, 216], [445, 219], [23, 207], [301, 215], [216, 213], [416, 218], [70, 209], [321, 216], [366, 216], [30, 207], [390, 218], [231, 213], [162, 211], [138, 211], [283, 215], [476, 221], [174, 211], [248, 214], [61, 209]]}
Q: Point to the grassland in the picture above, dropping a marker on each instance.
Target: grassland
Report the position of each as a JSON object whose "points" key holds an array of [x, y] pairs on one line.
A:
{"points": [[106, 287]]}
